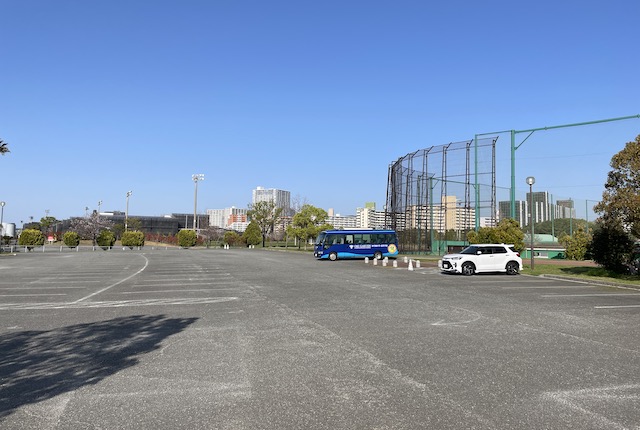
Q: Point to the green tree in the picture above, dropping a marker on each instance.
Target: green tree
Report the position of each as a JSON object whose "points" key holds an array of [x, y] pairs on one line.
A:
{"points": [[252, 235], [621, 198], [308, 222], [231, 238], [134, 224], [187, 238], [132, 238], [266, 215], [71, 239], [118, 229], [611, 246], [106, 239], [507, 231], [46, 223], [3, 147], [30, 238], [577, 245]]}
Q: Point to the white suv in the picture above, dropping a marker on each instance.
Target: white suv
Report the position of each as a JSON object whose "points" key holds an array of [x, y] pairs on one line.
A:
{"points": [[483, 258]]}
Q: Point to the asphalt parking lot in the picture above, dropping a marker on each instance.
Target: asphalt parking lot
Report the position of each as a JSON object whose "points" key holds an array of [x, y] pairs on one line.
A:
{"points": [[252, 339]]}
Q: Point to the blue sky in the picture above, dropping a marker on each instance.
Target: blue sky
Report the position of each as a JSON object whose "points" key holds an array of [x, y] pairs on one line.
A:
{"points": [[318, 98]]}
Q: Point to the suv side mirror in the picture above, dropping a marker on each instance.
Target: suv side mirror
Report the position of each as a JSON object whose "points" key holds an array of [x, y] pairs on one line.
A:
{"points": [[478, 252]]}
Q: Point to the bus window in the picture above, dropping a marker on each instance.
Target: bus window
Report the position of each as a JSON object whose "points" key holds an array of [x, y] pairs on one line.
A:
{"points": [[339, 244]]}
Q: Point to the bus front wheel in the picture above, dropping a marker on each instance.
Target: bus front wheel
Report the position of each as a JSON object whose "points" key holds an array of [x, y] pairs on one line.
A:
{"points": [[333, 256], [377, 255]]}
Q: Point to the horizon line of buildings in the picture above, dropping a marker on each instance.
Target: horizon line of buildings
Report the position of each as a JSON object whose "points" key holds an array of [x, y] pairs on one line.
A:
{"points": [[448, 215]]}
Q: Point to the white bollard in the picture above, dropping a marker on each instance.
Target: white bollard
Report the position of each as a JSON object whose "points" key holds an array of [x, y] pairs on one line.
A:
{"points": [[410, 265], [366, 260], [384, 262], [417, 264], [375, 261], [406, 259], [395, 263]]}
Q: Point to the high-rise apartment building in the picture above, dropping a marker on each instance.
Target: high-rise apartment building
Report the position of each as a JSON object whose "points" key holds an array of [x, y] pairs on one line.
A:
{"points": [[281, 198], [543, 209]]}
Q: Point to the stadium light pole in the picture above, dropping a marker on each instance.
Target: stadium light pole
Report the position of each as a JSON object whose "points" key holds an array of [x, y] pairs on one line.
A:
{"points": [[2, 218], [531, 180], [126, 213], [197, 177]]}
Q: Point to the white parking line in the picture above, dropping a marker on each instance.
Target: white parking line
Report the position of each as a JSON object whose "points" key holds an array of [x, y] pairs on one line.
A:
{"points": [[117, 304], [45, 281], [32, 295], [40, 288], [592, 295], [174, 291], [617, 307], [550, 287], [146, 263], [183, 284]]}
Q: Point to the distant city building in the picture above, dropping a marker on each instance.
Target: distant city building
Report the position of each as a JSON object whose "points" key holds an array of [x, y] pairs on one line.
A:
{"points": [[449, 215], [486, 221], [369, 217], [281, 198], [229, 218], [543, 209], [342, 222]]}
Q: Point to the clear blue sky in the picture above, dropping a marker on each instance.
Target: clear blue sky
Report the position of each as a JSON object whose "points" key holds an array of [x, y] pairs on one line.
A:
{"points": [[318, 98]]}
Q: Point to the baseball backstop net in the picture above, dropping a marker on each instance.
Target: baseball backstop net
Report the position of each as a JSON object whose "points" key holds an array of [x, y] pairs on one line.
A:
{"points": [[436, 195]]}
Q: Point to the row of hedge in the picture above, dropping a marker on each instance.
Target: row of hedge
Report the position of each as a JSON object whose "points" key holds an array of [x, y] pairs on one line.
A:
{"points": [[106, 238]]}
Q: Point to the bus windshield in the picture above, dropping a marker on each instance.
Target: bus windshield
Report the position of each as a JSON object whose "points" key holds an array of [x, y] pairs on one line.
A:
{"points": [[320, 238]]}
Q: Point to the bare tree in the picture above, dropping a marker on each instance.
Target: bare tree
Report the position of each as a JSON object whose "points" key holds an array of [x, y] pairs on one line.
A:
{"points": [[89, 227]]}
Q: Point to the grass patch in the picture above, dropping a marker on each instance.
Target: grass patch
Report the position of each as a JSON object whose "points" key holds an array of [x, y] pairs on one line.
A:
{"points": [[583, 272]]}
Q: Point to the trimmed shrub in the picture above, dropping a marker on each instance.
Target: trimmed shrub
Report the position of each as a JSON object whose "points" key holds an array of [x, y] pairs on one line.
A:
{"points": [[132, 238], [30, 238], [106, 239], [71, 239], [187, 238]]}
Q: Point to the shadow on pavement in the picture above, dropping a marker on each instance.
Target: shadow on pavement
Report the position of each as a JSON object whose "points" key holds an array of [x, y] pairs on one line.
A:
{"points": [[39, 365]]}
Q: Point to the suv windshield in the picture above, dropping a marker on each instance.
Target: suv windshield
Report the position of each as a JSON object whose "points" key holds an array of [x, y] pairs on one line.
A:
{"points": [[469, 250]]}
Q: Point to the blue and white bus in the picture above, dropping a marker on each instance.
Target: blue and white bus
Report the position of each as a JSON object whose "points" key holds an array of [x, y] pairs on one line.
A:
{"points": [[335, 244]]}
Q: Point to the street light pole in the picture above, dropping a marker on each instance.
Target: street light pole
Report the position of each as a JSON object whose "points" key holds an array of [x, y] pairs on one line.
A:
{"points": [[126, 214], [531, 180], [99, 205], [197, 177]]}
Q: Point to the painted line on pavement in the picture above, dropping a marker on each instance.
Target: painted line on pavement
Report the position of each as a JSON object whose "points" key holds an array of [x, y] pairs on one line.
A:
{"points": [[146, 263]]}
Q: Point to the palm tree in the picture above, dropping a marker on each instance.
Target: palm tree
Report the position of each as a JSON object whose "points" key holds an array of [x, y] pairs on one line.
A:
{"points": [[3, 147]]}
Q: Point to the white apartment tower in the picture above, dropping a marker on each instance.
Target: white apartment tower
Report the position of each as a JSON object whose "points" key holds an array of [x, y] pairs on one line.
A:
{"points": [[281, 198]]}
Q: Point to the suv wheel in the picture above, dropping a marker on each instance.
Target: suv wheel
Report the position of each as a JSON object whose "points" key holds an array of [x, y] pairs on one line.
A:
{"points": [[512, 268], [468, 269]]}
